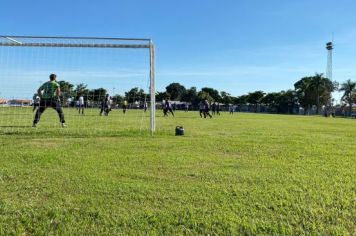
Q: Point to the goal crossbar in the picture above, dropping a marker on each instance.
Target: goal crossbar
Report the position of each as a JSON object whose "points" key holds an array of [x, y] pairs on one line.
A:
{"points": [[74, 45], [27, 41]]}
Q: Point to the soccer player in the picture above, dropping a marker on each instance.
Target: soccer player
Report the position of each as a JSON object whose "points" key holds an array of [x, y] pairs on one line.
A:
{"points": [[168, 108], [207, 109], [124, 106], [174, 106], [163, 105], [218, 109], [110, 104], [145, 106], [105, 106], [81, 104], [201, 109], [213, 108], [49, 94], [36, 101], [231, 109]]}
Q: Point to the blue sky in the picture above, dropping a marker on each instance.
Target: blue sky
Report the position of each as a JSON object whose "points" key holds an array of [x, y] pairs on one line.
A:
{"points": [[235, 46]]}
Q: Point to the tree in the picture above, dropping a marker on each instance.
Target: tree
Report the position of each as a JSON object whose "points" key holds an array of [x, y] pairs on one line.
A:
{"points": [[190, 95], [315, 90], [160, 96], [117, 99], [241, 100], [255, 98], [226, 98], [304, 93], [81, 89], [213, 93], [317, 83], [175, 90], [66, 90], [202, 95], [97, 95], [286, 101], [271, 100], [349, 89], [135, 94]]}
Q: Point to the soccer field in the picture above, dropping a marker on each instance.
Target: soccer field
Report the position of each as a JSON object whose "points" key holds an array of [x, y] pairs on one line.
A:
{"points": [[242, 174]]}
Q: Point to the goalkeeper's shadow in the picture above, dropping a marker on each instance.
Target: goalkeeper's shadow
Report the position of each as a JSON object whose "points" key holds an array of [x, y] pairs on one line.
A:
{"points": [[15, 126]]}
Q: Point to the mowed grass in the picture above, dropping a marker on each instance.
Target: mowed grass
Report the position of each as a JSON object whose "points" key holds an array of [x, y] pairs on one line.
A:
{"points": [[244, 174]]}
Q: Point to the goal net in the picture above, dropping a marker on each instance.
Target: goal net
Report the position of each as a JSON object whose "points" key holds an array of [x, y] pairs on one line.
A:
{"points": [[106, 84]]}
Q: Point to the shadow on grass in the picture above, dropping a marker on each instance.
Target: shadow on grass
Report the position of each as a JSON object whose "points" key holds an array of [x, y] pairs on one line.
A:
{"points": [[29, 132], [15, 126], [15, 114]]}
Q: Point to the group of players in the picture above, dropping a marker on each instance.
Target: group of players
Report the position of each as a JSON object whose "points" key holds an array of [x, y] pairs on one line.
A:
{"points": [[48, 96], [106, 105], [204, 108]]}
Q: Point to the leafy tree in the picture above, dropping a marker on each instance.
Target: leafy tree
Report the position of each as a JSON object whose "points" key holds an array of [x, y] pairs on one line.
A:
{"points": [[66, 90], [323, 88], [135, 94], [315, 90], [271, 100], [81, 89], [286, 101], [304, 93], [175, 90], [202, 95], [226, 98], [190, 95], [241, 100], [97, 95], [118, 99], [254, 98], [213, 93], [349, 89], [160, 96]]}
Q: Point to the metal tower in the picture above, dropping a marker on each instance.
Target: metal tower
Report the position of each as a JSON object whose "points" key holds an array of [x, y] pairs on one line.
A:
{"points": [[329, 67]]}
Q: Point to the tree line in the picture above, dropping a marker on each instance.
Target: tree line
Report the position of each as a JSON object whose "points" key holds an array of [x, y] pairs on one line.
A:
{"points": [[311, 91], [70, 92]]}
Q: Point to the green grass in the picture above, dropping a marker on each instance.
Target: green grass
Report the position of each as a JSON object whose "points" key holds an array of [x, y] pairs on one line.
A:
{"points": [[243, 174]]}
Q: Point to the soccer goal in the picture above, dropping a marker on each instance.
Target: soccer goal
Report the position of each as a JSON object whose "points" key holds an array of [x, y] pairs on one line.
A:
{"points": [[106, 84]]}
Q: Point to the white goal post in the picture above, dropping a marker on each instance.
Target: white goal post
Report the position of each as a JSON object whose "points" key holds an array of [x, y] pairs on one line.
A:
{"points": [[92, 42]]}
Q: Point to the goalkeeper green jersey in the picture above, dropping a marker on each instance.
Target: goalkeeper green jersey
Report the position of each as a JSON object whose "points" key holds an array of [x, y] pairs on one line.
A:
{"points": [[49, 90]]}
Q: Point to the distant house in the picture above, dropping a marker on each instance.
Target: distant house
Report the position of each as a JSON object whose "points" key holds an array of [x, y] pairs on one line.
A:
{"points": [[3, 102], [19, 102]]}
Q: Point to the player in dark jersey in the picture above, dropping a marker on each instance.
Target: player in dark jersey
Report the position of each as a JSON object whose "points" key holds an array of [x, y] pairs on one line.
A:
{"points": [[105, 106], [49, 94], [218, 109], [207, 109], [201, 109], [168, 108], [213, 108]]}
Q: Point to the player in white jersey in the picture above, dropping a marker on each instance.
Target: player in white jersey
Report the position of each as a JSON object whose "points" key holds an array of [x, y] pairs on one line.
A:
{"points": [[81, 105], [36, 101]]}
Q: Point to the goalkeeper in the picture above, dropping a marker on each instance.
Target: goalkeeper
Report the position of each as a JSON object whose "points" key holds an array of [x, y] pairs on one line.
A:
{"points": [[49, 93]]}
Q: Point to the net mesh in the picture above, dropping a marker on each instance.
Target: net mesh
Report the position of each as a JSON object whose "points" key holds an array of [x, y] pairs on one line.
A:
{"points": [[87, 70]]}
